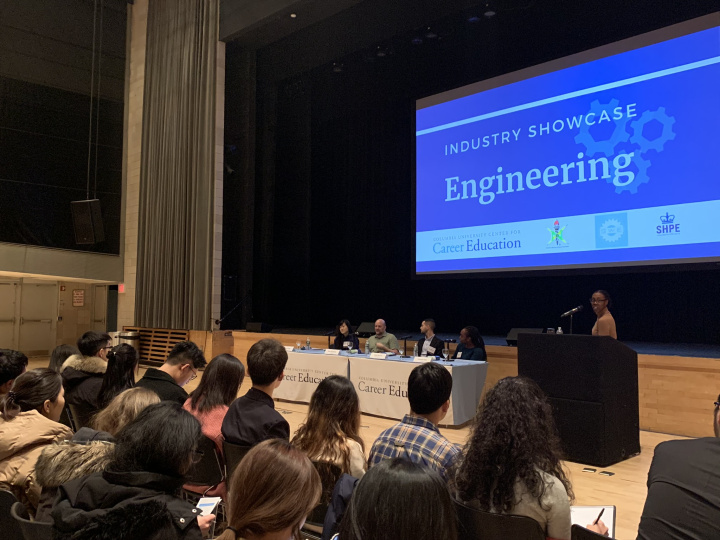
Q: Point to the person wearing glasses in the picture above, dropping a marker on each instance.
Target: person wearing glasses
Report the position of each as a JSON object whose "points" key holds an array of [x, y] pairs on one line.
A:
{"points": [[683, 497], [605, 324], [181, 367], [82, 375]]}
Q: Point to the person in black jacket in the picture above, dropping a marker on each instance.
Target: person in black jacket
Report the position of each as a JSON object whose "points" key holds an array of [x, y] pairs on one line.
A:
{"points": [[180, 368], [430, 344], [137, 496], [82, 375], [346, 339]]}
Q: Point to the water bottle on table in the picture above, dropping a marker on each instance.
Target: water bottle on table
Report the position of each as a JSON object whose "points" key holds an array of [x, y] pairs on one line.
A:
{"points": [[367, 347], [307, 343]]}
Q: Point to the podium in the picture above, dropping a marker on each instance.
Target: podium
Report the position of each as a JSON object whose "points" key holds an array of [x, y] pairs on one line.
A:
{"points": [[592, 386]]}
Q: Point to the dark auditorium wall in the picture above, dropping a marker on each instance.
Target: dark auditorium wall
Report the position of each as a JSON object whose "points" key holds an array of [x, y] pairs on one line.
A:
{"points": [[325, 186], [45, 74]]}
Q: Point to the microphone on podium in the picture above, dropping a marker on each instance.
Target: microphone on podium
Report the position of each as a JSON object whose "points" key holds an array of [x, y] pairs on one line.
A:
{"points": [[573, 311]]}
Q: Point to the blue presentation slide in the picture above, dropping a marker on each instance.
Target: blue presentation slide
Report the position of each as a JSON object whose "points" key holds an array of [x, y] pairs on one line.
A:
{"points": [[610, 162]]}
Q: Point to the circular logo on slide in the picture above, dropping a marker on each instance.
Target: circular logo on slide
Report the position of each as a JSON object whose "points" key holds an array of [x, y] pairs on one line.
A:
{"points": [[612, 230]]}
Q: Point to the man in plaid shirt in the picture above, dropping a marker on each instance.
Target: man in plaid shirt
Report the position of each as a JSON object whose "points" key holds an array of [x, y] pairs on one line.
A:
{"points": [[416, 437]]}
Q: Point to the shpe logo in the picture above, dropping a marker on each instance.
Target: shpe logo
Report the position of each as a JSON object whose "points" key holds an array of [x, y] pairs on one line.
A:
{"points": [[668, 225], [557, 236], [611, 230]]}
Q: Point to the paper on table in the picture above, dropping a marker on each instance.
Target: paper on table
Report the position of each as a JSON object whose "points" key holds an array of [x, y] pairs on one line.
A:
{"points": [[583, 515]]}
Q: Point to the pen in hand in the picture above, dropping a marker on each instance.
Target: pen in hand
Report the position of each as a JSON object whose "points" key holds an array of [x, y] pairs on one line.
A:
{"points": [[599, 516]]}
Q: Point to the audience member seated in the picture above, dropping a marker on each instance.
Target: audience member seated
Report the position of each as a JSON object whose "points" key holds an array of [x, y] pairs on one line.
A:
{"points": [[345, 338], [83, 374], [417, 437], [272, 491], [210, 401], [90, 450], [29, 422], [398, 499], [331, 431], [180, 368], [60, 354], [12, 365], [683, 499], [252, 418], [511, 462], [429, 344], [122, 367], [471, 346], [136, 496], [382, 341]]}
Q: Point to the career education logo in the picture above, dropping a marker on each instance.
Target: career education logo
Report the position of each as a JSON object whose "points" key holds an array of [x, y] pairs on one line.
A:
{"points": [[667, 225], [611, 230], [557, 236]]}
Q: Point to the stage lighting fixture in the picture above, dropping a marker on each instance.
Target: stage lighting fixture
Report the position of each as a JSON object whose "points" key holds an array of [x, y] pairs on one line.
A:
{"points": [[417, 40], [293, 15], [489, 11], [338, 67], [430, 34]]}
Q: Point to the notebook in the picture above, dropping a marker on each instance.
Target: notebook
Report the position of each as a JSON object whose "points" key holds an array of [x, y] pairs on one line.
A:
{"points": [[582, 515]]}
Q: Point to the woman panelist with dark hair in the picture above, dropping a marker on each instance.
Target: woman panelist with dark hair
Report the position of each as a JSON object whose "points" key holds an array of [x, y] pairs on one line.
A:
{"points": [[346, 339], [605, 324], [472, 346]]}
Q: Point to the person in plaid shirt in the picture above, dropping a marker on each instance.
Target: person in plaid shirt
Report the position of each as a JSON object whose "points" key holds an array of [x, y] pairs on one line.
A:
{"points": [[416, 437]]}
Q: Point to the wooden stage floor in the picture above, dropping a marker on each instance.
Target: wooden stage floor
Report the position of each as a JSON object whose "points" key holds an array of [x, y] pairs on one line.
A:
{"points": [[626, 489]]}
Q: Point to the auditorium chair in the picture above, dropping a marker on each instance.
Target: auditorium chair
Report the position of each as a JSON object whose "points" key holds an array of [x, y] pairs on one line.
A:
{"points": [[80, 416], [578, 532], [10, 528], [329, 476], [31, 530], [474, 524], [234, 453], [209, 470]]}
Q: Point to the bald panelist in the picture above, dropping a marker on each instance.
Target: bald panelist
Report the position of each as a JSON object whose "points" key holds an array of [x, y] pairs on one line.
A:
{"points": [[382, 341]]}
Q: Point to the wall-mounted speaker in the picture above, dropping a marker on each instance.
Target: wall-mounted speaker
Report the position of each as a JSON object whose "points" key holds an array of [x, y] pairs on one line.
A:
{"points": [[87, 221]]}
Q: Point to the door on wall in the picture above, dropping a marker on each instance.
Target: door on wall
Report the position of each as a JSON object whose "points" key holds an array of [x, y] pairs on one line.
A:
{"points": [[8, 320], [99, 324], [38, 318]]}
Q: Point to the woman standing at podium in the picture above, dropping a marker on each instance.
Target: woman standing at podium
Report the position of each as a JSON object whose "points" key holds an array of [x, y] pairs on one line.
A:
{"points": [[605, 324]]}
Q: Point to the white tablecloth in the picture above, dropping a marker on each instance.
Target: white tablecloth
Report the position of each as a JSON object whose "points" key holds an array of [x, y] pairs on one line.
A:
{"points": [[381, 384]]}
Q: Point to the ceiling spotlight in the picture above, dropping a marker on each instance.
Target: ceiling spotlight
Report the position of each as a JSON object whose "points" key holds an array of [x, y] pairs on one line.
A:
{"points": [[473, 19], [380, 52], [293, 15], [417, 40], [489, 11], [338, 67], [430, 34]]}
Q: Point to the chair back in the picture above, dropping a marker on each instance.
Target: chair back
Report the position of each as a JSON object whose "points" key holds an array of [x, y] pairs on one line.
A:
{"points": [[578, 532], [329, 476], [9, 527], [209, 471], [474, 523], [234, 453], [31, 530], [80, 416]]}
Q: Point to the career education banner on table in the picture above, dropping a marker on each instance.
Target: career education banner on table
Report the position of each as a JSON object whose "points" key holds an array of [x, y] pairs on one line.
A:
{"points": [[304, 371], [612, 160]]}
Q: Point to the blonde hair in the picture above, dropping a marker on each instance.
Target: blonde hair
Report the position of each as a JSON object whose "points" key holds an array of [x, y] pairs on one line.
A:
{"points": [[274, 487], [123, 409]]}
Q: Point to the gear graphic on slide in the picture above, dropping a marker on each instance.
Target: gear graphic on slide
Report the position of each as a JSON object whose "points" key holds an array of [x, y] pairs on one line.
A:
{"points": [[611, 230], [641, 177], [656, 144], [607, 147]]}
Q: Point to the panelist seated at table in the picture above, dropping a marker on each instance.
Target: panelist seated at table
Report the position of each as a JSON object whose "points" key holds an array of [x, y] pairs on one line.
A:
{"points": [[471, 346], [429, 344], [346, 339], [382, 341]]}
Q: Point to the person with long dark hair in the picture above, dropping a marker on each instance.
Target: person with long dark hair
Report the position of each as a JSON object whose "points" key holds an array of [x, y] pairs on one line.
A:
{"points": [[345, 338], [511, 462], [331, 431], [136, 497], [210, 401], [272, 491], [60, 354], [471, 346], [605, 323], [399, 500], [122, 366], [29, 422]]}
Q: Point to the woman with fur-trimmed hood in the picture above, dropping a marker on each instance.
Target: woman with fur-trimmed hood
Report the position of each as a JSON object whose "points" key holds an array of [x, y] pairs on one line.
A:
{"points": [[83, 375]]}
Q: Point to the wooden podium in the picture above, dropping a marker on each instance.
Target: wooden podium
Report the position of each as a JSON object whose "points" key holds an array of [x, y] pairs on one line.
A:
{"points": [[592, 385]]}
